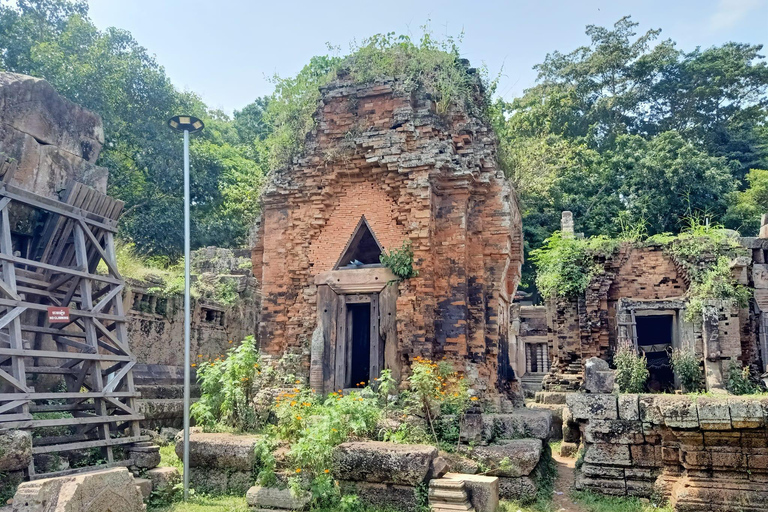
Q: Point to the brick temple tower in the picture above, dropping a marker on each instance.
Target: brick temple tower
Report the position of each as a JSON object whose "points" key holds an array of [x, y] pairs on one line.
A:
{"points": [[381, 168]]}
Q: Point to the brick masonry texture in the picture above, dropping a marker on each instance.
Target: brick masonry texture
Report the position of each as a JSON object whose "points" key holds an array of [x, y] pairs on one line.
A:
{"points": [[701, 453], [381, 151]]}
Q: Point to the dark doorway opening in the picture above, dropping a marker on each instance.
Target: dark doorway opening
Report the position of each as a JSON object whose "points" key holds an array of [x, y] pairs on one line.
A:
{"points": [[654, 339], [360, 344]]}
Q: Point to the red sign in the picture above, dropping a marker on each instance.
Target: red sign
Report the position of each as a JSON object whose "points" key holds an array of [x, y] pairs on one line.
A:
{"points": [[58, 315]]}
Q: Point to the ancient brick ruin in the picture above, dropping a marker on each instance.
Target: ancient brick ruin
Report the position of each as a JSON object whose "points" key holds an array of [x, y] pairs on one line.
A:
{"points": [[640, 297], [383, 168]]}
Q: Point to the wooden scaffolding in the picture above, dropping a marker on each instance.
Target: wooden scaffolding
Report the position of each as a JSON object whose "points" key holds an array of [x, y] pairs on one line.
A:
{"points": [[86, 359]]}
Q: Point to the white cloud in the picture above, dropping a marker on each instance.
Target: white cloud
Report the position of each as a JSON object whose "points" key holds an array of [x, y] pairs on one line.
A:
{"points": [[730, 12]]}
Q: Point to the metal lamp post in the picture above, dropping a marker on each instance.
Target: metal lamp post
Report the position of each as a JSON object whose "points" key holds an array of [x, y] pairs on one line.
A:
{"points": [[187, 124]]}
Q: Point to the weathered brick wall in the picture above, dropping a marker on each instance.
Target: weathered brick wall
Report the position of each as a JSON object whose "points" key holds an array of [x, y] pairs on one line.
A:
{"points": [[701, 453], [586, 326], [382, 152]]}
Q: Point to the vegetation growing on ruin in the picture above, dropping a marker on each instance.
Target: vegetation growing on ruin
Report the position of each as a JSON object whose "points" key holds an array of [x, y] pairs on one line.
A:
{"points": [[400, 261], [567, 265], [631, 369], [687, 367], [740, 382]]}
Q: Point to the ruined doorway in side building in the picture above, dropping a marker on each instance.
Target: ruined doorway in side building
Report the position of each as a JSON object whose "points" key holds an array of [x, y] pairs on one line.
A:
{"points": [[655, 338], [359, 343]]}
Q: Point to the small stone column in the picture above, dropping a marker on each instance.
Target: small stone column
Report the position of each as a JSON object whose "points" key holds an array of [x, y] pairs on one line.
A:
{"points": [[566, 224]]}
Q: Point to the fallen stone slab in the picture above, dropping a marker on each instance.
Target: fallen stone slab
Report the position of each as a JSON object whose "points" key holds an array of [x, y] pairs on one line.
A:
{"points": [[513, 458], [482, 490], [379, 462], [112, 490], [222, 451], [592, 406], [598, 376], [271, 498]]}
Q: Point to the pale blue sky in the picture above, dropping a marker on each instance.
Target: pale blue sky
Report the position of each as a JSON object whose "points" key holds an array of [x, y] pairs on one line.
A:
{"points": [[224, 50]]}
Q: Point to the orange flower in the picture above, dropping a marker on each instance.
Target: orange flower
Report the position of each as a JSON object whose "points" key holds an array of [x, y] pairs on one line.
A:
{"points": [[298, 470], [298, 382], [199, 355], [193, 365], [474, 399], [298, 418], [293, 403], [327, 470]]}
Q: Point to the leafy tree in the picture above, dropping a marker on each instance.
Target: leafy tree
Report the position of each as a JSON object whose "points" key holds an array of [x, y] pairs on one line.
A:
{"points": [[110, 73], [746, 207]]}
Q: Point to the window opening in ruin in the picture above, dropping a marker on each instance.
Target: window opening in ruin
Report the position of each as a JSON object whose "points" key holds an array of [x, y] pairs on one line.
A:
{"points": [[212, 316], [362, 250], [536, 358], [360, 344], [654, 338]]}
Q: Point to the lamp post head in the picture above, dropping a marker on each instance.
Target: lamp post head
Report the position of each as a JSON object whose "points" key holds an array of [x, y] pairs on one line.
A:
{"points": [[188, 123]]}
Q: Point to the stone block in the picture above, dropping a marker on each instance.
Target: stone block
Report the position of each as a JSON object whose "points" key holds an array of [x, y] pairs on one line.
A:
{"points": [[568, 449], [15, 450], [483, 491], [629, 408], [459, 464], [380, 495], [649, 410], [220, 481], [144, 455], [536, 423], [725, 460], [678, 412], [145, 487], [648, 474], [598, 376], [271, 498], [652, 433], [595, 471], [608, 454], [521, 489], [602, 485], [514, 458], [714, 414], [222, 451], [550, 397], [111, 490], [646, 455], [571, 431], [556, 428], [746, 413], [696, 459], [639, 488], [614, 432], [373, 461], [163, 478], [592, 406]]}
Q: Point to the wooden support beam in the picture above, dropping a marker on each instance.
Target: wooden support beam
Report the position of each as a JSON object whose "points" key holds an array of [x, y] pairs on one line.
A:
{"points": [[88, 444], [61, 422], [58, 270], [5, 397]]}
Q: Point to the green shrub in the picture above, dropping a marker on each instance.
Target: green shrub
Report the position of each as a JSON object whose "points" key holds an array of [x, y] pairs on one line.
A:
{"points": [[400, 261], [740, 382], [226, 389], [687, 367], [631, 369], [566, 265]]}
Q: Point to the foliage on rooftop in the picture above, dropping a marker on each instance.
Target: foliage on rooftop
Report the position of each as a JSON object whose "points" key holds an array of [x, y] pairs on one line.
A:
{"points": [[567, 265]]}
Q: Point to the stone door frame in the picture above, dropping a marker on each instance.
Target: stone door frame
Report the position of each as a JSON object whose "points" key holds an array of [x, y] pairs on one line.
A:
{"points": [[329, 350]]}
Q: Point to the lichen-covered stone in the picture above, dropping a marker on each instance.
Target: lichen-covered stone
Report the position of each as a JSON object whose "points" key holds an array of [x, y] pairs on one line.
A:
{"points": [[513, 458], [746, 413], [629, 408], [144, 455], [678, 412], [592, 406], [522, 423], [608, 454], [145, 486], [598, 376], [459, 464], [112, 490], [395, 497], [373, 461], [522, 489], [614, 432], [713, 413], [568, 449], [15, 450], [220, 481], [223, 451], [272, 498], [162, 478]]}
